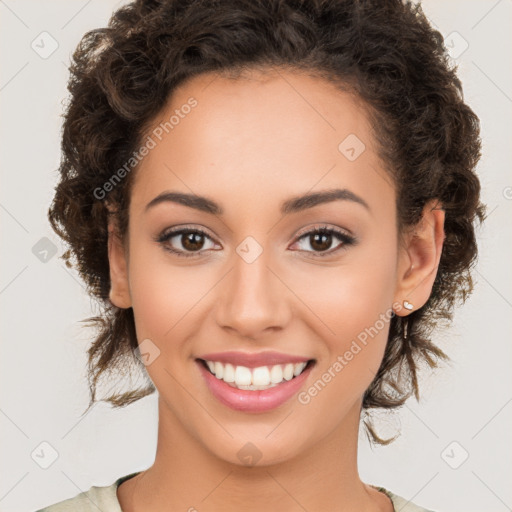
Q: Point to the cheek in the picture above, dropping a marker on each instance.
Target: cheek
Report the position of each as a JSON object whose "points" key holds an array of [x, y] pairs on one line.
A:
{"points": [[164, 294], [351, 297], [352, 307]]}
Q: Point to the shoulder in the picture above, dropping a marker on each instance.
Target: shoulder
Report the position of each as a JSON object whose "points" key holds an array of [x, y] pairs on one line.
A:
{"points": [[401, 504], [96, 498]]}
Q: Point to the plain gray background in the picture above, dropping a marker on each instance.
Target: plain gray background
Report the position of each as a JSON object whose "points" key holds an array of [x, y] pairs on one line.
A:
{"points": [[466, 408]]}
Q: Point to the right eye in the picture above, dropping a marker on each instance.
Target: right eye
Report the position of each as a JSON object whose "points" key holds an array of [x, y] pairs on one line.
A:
{"points": [[191, 241]]}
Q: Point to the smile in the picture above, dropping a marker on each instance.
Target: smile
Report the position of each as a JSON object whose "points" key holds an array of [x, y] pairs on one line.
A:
{"points": [[254, 388]]}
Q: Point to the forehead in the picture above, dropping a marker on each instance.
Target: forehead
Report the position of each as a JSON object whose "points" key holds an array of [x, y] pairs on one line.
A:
{"points": [[264, 136]]}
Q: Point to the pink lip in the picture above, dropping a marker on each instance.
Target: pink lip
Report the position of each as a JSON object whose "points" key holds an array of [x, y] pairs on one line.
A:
{"points": [[253, 360], [252, 401]]}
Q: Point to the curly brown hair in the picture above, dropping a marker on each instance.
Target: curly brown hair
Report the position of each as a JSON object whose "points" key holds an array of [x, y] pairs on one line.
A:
{"points": [[384, 51]]}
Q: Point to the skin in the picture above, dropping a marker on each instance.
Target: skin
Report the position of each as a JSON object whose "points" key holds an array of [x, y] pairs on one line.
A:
{"points": [[249, 145]]}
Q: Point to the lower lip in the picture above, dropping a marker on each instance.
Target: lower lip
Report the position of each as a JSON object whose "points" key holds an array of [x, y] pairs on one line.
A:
{"points": [[253, 401]]}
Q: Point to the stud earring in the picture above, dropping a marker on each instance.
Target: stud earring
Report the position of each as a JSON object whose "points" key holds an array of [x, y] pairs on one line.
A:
{"points": [[408, 305]]}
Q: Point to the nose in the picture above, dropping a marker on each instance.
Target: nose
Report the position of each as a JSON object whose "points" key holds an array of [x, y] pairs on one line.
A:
{"points": [[253, 300]]}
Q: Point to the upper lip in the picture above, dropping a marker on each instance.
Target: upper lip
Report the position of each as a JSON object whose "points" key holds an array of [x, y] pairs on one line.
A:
{"points": [[253, 360]]}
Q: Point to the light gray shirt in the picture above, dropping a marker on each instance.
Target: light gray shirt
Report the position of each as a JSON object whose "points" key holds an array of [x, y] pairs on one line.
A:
{"points": [[105, 499]]}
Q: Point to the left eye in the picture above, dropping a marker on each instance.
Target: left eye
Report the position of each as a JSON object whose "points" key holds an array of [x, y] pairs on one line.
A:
{"points": [[322, 238], [192, 241]]}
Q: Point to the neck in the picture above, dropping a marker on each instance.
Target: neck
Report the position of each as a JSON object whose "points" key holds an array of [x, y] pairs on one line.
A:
{"points": [[187, 476]]}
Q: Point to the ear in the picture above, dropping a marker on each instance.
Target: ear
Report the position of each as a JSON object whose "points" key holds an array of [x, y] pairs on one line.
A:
{"points": [[119, 293], [419, 259]]}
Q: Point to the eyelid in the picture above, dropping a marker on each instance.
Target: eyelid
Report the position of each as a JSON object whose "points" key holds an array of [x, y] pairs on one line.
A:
{"points": [[319, 226], [175, 230]]}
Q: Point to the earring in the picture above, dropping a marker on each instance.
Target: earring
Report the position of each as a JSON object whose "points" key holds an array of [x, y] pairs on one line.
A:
{"points": [[406, 324], [408, 305]]}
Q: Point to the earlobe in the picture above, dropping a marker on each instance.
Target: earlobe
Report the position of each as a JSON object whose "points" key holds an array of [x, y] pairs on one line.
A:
{"points": [[119, 293], [419, 259]]}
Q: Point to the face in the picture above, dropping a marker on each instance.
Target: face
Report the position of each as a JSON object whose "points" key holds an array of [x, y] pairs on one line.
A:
{"points": [[253, 274]]}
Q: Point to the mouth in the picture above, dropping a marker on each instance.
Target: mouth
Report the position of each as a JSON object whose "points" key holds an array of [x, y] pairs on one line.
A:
{"points": [[254, 389]]}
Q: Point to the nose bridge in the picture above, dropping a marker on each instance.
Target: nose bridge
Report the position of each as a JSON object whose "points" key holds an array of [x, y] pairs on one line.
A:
{"points": [[253, 298]]}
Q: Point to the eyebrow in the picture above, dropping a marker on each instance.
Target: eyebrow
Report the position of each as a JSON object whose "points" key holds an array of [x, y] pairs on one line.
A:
{"points": [[293, 205]]}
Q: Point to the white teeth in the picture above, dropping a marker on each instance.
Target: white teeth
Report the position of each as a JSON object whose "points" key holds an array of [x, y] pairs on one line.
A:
{"points": [[219, 370], [262, 377], [288, 371], [242, 376], [298, 368], [276, 374], [229, 373]]}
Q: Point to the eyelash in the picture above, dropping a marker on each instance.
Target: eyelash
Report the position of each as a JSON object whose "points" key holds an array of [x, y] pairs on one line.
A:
{"points": [[344, 237]]}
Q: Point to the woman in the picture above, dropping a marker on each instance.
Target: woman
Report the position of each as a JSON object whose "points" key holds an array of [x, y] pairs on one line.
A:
{"points": [[275, 202]]}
